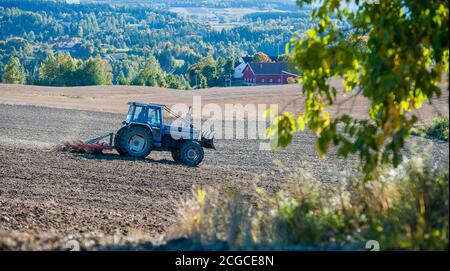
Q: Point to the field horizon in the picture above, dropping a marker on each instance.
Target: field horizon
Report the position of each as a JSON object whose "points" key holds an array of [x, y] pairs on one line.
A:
{"points": [[114, 98]]}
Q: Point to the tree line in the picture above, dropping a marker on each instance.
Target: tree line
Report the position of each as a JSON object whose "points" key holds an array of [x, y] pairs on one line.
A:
{"points": [[64, 70], [128, 37]]}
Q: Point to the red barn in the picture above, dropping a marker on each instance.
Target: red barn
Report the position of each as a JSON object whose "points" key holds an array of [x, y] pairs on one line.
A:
{"points": [[267, 73]]}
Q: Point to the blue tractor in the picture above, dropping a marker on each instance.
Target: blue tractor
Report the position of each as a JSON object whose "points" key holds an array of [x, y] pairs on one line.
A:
{"points": [[145, 130]]}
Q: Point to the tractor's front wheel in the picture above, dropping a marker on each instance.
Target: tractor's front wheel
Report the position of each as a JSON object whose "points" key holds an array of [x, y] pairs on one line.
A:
{"points": [[191, 153], [134, 141]]}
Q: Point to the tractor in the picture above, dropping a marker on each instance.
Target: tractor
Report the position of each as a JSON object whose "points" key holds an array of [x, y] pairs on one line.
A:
{"points": [[145, 130]]}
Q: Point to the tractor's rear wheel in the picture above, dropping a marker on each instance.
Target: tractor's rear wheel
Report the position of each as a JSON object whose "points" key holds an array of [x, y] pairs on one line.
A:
{"points": [[191, 153], [117, 139], [135, 141]]}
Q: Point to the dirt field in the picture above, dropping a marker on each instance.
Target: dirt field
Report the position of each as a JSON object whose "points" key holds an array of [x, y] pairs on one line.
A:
{"points": [[114, 98], [45, 194], [45, 191]]}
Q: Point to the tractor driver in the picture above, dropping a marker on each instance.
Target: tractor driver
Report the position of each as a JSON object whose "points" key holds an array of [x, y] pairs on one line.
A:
{"points": [[141, 116], [151, 115]]}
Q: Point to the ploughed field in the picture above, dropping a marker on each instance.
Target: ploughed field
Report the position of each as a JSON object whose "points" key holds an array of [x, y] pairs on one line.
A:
{"points": [[48, 194], [45, 191]]}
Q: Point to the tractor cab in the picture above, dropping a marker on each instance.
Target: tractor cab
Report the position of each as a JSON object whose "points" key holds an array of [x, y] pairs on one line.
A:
{"points": [[157, 118], [149, 115]]}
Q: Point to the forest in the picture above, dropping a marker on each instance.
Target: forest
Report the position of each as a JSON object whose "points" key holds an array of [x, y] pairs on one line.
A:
{"points": [[134, 42]]}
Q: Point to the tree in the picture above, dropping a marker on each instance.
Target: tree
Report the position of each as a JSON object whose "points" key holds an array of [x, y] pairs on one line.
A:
{"points": [[261, 58], [13, 73], [401, 68], [62, 70], [2, 68], [96, 72], [176, 82], [80, 31], [151, 74], [229, 66], [203, 81], [284, 58], [121, 79], [206, 68]]}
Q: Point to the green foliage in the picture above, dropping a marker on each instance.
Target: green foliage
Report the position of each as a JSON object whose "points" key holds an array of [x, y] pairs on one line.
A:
{"points": [[151, 74], [63, 70], [394, 54], [13, 72], [406, 208], [229, 66], [96, 72], [176, 82], [121, 79], [210, 72], [203, 81], [204, 72], [437, 129]]}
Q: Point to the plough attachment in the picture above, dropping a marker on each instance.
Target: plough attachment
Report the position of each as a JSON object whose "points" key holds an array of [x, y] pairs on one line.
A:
{"points": [[92, 146]]}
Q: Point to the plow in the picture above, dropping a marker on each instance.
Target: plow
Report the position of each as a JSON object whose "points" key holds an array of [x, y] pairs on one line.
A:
{"points": [[145, 131], [92, 146]]}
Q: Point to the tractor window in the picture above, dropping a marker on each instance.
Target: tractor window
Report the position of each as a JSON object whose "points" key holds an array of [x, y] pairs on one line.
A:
{"points": [[129, 116], [154, 116], [139, 114]]}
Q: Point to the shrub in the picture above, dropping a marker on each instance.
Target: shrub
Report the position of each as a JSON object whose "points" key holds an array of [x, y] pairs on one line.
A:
{"points": [[403, 209], [438, 129]]}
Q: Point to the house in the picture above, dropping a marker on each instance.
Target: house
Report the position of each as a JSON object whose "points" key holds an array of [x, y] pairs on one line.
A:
{"points": [[239, 68], [116, 57], [275, 73], [242, 63], [68, 47]]}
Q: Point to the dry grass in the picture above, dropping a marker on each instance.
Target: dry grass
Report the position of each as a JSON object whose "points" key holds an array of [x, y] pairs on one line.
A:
{"points": [[403, 209]]}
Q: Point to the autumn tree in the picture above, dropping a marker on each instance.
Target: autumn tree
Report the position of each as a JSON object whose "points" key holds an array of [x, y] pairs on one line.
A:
{"points": [[13, 72], [261, 58], [399, 68]]}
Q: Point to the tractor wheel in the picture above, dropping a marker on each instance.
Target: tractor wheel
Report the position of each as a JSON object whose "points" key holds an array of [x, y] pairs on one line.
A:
{"points": [[176, 155], [135, 141], [117, 137], [191, 153]]}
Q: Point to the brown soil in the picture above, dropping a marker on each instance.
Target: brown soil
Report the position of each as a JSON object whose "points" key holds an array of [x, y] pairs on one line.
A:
{"points": [[114, 98]]}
